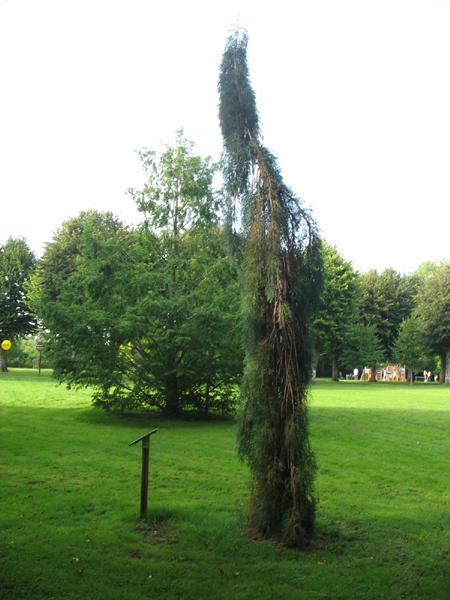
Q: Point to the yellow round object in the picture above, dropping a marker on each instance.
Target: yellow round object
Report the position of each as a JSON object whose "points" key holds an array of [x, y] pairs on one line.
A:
{"points": [[6, 344]]}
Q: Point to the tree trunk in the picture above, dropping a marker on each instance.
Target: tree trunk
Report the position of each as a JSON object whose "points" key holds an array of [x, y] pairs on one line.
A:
{"points": [[3, 360], [207, 399], [335, 373], [172, 394], [442, 373], [411, 376], [373, 374], [172, 407], [447, 367], [316, 357]]}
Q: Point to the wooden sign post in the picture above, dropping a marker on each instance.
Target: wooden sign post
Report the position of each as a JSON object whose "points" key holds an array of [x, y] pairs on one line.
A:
{"points": [[39, 348], [145, 459]]}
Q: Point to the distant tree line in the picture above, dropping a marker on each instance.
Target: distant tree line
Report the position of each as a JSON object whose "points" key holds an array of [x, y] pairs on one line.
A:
{"points": [[372, 319], [101, 290]]}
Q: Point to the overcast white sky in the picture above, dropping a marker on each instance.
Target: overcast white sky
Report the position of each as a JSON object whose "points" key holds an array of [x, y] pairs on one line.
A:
{"points": [[353, 95]]}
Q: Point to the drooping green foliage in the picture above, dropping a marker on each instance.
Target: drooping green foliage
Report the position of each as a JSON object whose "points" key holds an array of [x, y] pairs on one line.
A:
{"points": [[238, 115], [281, 275], [17, 262]]}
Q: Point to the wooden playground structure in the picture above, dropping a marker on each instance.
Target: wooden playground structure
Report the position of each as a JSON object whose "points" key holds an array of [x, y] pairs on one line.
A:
{"points": [[387, 373]]}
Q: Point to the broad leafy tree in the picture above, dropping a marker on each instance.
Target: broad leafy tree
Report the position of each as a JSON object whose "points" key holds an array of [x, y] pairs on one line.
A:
{"points": [[281, 276], [60, 257], [410, 348], [337, 309], [17, 262], [58, 296], [426, 269]]}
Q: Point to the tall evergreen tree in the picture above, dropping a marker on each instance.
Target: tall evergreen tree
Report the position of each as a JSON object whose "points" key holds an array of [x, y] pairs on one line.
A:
{"points": [[386, 300], [281, 285], [337, 309]]}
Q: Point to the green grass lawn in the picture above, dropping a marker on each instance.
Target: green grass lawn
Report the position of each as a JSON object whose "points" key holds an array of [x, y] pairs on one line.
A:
{"points": [[69, 500]]}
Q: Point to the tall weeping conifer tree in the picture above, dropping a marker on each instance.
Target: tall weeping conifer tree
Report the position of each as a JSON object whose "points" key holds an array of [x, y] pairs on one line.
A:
{"points": [[282, 281]]}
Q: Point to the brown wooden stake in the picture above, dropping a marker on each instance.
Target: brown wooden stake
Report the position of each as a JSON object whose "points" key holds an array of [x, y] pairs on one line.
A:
{"points": [[145, 461], [144, 476], [39, 348]]}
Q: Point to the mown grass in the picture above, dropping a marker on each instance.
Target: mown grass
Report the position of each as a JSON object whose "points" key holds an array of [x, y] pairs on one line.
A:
{"points": [[70, 490]]}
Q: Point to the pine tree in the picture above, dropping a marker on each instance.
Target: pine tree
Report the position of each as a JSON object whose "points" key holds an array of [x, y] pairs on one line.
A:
{"points": [[282, 267], [337, 309]]}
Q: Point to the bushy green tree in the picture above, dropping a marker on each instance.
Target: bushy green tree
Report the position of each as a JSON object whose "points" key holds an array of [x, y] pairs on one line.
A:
{"points": [[58, 296], [363, 349], [426, 269], [59, 261], [386, 300], [200, 296], [150, 317], [281, 277], [410, 347], [17, 262], [337, 308], [433, 311], [179, 196]]}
